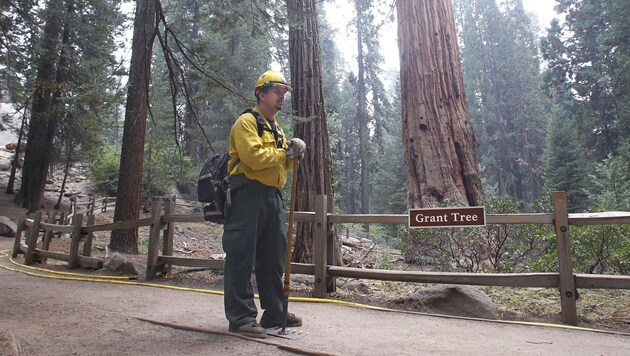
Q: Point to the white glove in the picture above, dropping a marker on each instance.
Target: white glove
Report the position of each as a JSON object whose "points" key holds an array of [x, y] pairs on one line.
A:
{"points": [[296, 148]]}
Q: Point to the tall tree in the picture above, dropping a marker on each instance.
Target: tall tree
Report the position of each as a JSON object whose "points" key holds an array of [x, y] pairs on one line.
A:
{"points": [[439, 141], [43, 123], [588, 56], [566, 168], [501, 74], [616, 37], [75, 59], [19, 31], [315, 170], [362, 112], [19, 26], [132, 154], [389, 187], [346, 150], [218, 36], [590, 59]]}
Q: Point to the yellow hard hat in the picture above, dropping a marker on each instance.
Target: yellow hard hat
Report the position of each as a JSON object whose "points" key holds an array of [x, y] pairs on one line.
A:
{"points": [[271, 77]]}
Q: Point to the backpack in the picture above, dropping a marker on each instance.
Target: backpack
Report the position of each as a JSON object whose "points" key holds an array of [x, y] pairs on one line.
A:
{"points": [[213, 184]]}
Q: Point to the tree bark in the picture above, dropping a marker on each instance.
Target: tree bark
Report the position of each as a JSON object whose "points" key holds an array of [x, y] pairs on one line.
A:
{"points": [[315, 170], [438, 138], [132, 154]]}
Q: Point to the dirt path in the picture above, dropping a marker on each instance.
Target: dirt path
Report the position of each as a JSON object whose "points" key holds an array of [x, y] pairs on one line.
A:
{"points": [[50, 316]]}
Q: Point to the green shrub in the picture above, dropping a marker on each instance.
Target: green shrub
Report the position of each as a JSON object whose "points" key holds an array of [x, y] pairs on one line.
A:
{"points": [[497, 248], [104, 171]]}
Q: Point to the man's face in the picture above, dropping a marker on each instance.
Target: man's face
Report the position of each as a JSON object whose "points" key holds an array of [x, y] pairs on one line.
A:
{"points": [[275, 97]]}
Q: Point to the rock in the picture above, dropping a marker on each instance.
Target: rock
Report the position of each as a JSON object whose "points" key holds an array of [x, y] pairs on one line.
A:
{"points": [[302, 279], [358, 286], [122, 264], [5, 164], [7, 227], [217, 256], [454, 300], [10, 146], [197, 209]]}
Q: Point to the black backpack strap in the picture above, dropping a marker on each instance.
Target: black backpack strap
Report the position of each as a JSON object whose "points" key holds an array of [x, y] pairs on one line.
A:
{"points": [[262, 126]]}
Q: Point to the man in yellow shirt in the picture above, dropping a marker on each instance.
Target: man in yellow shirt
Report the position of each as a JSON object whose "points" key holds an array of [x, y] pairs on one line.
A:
{"points": [[255, 230]]}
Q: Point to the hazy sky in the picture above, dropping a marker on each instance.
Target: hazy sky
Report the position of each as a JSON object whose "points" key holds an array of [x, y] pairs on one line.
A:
{"points": [[341, 11]]}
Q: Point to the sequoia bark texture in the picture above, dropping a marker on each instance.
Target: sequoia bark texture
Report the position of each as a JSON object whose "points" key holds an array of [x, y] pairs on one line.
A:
{"points": [[315, 170], [439, 142], [132, 154]]}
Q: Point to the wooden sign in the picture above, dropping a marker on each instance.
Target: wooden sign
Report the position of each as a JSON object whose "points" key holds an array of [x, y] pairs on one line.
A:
{"points": [[448, 217]]}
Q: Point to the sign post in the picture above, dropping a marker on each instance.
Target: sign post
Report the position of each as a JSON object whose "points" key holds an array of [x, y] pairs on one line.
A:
{"points": [[447, 217]]}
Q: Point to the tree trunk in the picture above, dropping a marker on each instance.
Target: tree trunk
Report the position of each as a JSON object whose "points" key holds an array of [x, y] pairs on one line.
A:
{"points": [[132, 154], [315, 170], [362, 118], [439, 142], [43, 125], [65, 176], [189, 133], [16, 158]]}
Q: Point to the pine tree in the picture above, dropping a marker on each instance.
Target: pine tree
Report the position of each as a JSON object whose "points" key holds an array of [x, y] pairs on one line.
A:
{"points": [[566, 169], [74, 62], [616, 37], [389, 186], [501, 73], [589, 61]]}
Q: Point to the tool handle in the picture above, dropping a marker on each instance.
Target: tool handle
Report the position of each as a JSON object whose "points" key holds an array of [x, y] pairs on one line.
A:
{"points": [[287, 262]]}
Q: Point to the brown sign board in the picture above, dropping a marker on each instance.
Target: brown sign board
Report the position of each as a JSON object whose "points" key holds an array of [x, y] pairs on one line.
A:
{"points": [[448, 217]]}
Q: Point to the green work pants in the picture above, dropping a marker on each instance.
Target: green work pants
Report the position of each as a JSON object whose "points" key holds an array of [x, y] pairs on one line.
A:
{"points": [[254, 236]]}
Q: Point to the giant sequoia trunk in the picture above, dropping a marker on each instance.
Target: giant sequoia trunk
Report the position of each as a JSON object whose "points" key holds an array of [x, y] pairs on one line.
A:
{"points": [[439, 142], [314, 176], [132, 154]]}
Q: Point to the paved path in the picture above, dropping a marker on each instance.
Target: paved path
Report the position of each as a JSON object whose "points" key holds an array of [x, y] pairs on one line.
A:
{"points": [[49, 316]]}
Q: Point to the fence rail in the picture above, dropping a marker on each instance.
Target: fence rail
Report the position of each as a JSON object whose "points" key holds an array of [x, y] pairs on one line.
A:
{"points": [[163, 220]]}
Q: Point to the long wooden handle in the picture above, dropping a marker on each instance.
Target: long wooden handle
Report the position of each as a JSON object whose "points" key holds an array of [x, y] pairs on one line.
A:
{"points": [[287, 263]]}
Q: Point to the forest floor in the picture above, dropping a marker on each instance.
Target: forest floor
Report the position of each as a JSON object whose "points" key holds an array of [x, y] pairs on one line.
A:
{"points": [[53, 316]]}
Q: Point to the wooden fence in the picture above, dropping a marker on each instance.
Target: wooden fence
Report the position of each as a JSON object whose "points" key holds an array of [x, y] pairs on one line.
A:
{"points": [[163, 220]]}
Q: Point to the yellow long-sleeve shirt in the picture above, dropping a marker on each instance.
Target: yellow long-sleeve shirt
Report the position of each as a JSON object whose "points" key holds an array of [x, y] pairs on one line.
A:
{"points": [[258, 157]]}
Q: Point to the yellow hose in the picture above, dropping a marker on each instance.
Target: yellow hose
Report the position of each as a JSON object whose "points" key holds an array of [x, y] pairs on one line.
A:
{"points": [[68, 276]]}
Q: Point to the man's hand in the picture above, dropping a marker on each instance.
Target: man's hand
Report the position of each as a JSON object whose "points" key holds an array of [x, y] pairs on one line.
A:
{"points": [[296, 148]]}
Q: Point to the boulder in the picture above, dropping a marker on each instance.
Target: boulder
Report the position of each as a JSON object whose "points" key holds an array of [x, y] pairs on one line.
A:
{"points": [[455, 300], [5, 164], [7, 227], [122, 264]]}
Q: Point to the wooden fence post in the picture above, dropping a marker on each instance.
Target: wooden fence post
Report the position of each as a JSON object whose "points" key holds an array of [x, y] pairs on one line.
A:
{"points": [[31, 239], [73, 204], [17, 244], [62, 221], [51, 217], [565, 268], [320, 250], [91, 205], [332, 251], [104, 205], [87, 245], [77, 220], [168, 234], [154, 240]]}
